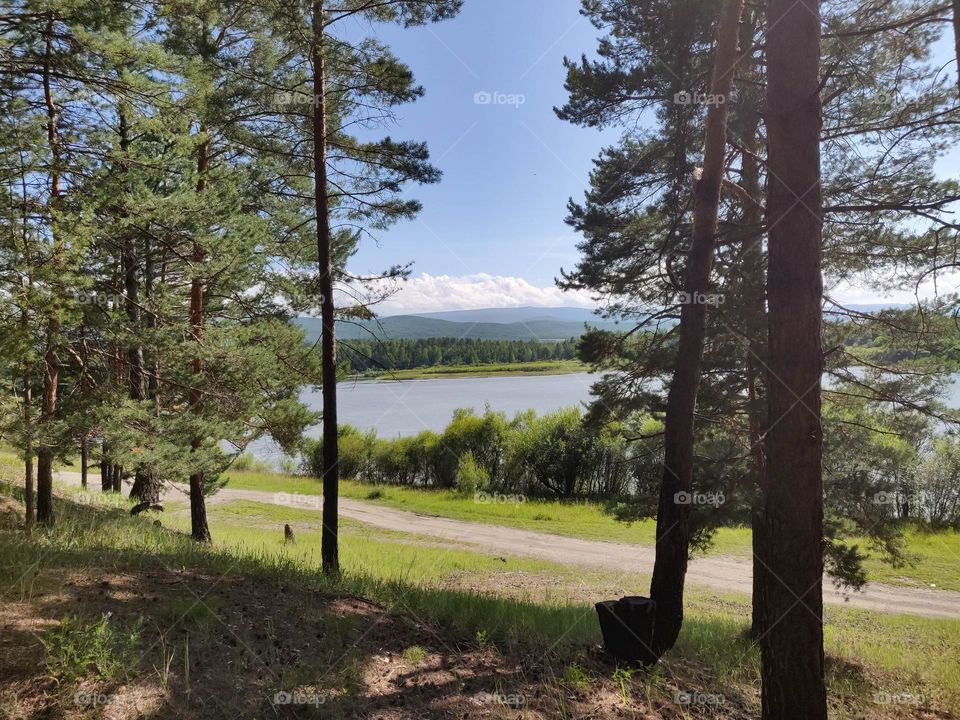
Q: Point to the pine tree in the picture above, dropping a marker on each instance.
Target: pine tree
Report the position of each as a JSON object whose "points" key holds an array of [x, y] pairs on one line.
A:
{"points": [[792, 645], [356, 185]]}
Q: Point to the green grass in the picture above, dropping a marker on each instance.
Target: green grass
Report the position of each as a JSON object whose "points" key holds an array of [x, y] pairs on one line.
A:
{"points": [[936, 554], [544, 367], [580, 518], [868, 651], [77, 647]]}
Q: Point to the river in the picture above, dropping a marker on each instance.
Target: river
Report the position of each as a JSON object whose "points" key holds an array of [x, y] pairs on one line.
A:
{"points": [[406, 407]]}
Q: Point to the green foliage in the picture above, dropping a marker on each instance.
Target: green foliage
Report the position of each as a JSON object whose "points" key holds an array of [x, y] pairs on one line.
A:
{"points": [[471, 478], [376, 355], [248, 463], [76, 648], [938, 483]]}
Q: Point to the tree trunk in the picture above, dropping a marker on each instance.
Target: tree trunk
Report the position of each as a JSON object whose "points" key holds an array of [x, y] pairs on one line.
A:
{"points": [[84, 462], [328, 548], [28, 488], [106, 476], [792, 646], [51, 376], [116, 473], [673, 512], [199, 528], [746, 126], [956, 36], [145, 488]]}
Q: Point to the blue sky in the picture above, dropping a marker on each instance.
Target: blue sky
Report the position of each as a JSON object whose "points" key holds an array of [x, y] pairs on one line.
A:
{"points": [[492, 233], [510, 165]]}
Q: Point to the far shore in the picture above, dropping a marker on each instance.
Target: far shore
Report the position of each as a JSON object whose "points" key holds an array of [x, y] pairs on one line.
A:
{"points": [[558, 367]]}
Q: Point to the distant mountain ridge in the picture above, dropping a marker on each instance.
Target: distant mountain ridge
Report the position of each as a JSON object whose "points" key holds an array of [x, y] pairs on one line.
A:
{"points": [[515, 315], [522, 323]]}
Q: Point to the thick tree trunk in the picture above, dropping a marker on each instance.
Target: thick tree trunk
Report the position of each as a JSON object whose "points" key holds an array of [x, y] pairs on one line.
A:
{"points": [[116, 473], [329, 548], [792, 645], [199, 528], [45, 486], [673, 512]]}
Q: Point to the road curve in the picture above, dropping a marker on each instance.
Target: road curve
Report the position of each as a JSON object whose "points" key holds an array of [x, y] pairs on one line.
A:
{"points": [[718, 572]]}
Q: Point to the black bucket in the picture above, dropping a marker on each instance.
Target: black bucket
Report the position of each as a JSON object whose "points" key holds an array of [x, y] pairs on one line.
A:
{"points": [[627, 627]]}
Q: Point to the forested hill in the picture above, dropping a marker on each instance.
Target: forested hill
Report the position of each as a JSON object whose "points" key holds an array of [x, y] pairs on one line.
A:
{"points": [[414, 327], [366, 355]]}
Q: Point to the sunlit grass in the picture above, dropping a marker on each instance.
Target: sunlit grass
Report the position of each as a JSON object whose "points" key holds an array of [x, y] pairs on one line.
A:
{"points": [[413, 575]]}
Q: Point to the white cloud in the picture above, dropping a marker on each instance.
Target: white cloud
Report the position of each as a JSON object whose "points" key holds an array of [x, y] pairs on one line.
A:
{"points": [[432, 293], [849, 293]]}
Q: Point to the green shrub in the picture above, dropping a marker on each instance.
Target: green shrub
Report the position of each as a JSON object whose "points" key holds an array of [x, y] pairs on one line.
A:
{"points": [[248, 463], [76, 648], [355, 448], [471, 478], [485, 436]]}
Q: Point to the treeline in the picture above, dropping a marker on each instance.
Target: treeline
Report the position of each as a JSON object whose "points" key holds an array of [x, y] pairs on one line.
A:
{"points": [[372, 355]]}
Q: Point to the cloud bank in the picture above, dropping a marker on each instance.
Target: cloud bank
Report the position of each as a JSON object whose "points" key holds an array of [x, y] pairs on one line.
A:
{"points": [[432, 293]]}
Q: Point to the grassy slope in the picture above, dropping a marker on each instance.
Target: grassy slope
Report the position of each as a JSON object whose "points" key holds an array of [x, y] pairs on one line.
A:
{"points": [[936, 555], [869, 653]]}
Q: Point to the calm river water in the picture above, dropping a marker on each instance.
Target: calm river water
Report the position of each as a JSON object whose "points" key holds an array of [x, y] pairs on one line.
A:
{"points": [[406, 407]]}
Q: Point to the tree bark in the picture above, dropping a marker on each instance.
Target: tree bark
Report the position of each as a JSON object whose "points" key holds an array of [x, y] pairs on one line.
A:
{"points": [[673, 512], [956, 36], [200, 530], [84, 462], [792, 646], [746, 126], [106, 477], [51, 375], [329, 544], [28, 488]]}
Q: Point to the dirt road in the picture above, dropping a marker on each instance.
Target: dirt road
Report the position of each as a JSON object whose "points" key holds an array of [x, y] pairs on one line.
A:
{"points": [[718, 572]]}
